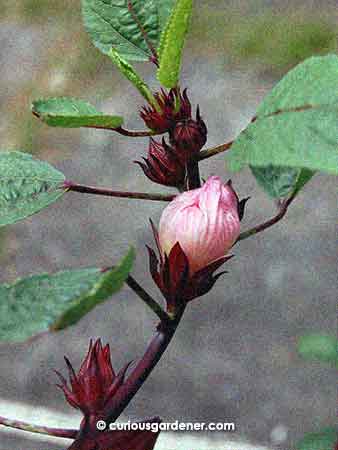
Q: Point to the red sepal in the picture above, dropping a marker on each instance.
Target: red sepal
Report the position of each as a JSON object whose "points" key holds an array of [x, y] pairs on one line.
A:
{"points": [[162, 165], [172, 277], [173, 107]]}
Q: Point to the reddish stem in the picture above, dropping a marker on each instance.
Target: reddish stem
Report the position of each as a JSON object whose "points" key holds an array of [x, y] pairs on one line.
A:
{"points": [[134, 133], [204, 154], [70, 186], [32, 428], [138, 376], [263, 226]]}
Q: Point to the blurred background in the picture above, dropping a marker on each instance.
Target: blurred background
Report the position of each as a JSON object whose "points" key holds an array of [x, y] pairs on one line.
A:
{"points": [[234, 357]]}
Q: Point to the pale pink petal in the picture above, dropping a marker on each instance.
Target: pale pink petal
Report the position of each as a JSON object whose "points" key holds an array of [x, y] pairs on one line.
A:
{"points": [[204, 221]]}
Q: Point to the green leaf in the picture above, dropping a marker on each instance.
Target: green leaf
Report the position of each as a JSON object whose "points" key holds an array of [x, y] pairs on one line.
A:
{"points": [[322, 440], [70, 112], [172, 43], [129, 72], [26, 186], [312, 83], [276, 181], [110, 24], [296, 128], [303, 178], [50, 302], [297, 139], [280, 181], [319, 346], [164, 8]]}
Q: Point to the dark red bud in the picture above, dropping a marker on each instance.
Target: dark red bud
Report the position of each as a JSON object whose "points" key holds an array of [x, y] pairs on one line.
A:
{"points": [[172, 107], [163, 165], [95, 383], [189, 136]]}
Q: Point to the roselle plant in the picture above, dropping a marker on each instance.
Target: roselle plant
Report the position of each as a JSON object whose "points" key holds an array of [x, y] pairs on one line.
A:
{"points": [[293, 135]]}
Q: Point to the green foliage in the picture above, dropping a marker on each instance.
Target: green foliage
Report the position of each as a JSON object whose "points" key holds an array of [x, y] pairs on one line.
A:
{"points": [[172, 43], [26, 186], [128, 71], [296, 128], [110, 24], [311, 83], [304, 176], [319, 346], [322, 440], [55, 301], [276, 181], [70, 112]]}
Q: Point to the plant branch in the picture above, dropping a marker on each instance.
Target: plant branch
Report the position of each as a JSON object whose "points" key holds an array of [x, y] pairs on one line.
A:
{"points": [[70, 186], [148, 300], [134, 133], [193, 175], [138, 376], [209, 152], [32, 428], [263, 226], [152, 49]]}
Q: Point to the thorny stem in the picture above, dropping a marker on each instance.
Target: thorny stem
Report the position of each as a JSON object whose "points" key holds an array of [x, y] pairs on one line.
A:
{"points": [[138, 376], [70, 186], [209, 152], [263, 226], [153, 305], [32, 428], [154, 58]]}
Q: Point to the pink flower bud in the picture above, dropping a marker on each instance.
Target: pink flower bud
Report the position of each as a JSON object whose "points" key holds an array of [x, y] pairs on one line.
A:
{"points": [[204, 221]]}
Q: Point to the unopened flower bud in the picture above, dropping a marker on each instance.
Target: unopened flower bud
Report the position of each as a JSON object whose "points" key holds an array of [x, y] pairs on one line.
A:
{"points": [[188, 136], [172, 107], [96, 382], [163, 165], [203, 221], [196, 231]]}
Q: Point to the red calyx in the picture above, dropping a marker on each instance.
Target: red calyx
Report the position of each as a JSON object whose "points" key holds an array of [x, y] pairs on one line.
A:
{"points": [[162, 165], [96, 382], [189, 136], [172, 277], [173, 107]]}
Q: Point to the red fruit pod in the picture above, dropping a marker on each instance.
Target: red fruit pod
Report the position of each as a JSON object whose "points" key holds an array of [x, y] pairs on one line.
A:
{"points": [[162, 165], [95, 384], [172, 106], [189, 136]]}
